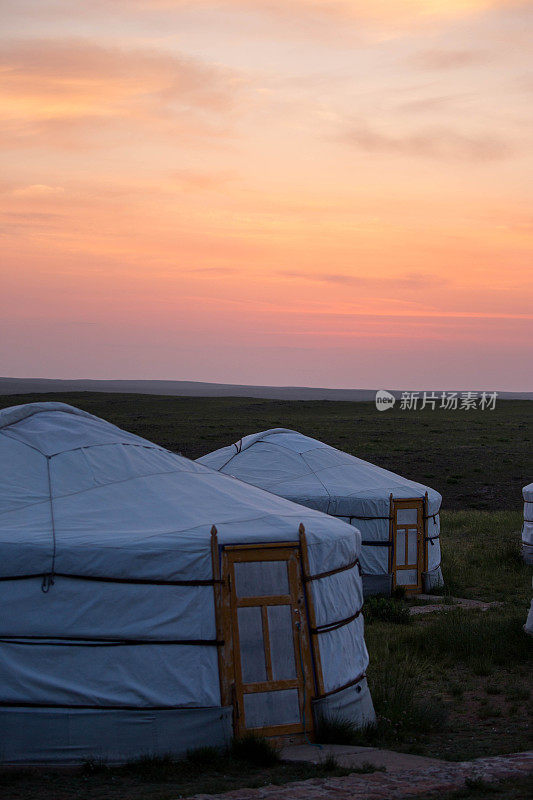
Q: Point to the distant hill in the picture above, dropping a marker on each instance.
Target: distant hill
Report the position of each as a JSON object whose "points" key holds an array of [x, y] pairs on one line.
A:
{"points": [[199, 389]]}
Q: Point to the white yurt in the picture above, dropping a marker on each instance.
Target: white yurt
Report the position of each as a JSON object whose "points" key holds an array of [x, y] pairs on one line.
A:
{"points": [[528, 627], [152, 605], [527, 528], [398, 518]]}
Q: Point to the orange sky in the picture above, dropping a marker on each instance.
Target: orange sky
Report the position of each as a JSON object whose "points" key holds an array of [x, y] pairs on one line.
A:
{"points": [[303, 192]]}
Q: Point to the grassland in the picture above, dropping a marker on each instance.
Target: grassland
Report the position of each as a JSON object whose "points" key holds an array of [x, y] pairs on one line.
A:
{"points": [[476, 459], [454, 685], [458, 684], [155, 779]]}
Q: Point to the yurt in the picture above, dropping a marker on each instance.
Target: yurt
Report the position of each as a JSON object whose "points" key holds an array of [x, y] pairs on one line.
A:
{"points": [[528, 627], [152, 605], [527, 528], [398, 518]]}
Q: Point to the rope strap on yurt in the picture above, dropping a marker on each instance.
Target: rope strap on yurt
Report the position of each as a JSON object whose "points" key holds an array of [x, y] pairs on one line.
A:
{"points": [[341, 688], [389, 517], [318, 575], [85, 641], [376, 544], [94, 706], [106, 579], [48, 579], [327, 627]]}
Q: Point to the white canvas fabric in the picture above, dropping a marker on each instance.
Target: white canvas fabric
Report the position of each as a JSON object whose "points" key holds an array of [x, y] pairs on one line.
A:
{"points": [[527, 528], [528, 627], [307, 471], [95, 526]]}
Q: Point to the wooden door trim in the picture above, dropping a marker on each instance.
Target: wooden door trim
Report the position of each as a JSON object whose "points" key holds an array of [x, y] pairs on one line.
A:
{"points": [[289, 553], [222, 623], [415, 503], [308, 588], [274, 600]]}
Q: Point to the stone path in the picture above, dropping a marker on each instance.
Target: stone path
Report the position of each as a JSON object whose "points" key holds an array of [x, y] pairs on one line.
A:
{"points": [[351, 756], [457, 602], [445, 777]]}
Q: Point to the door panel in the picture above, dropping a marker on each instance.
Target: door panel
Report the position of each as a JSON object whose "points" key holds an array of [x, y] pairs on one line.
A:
{"points": [[407, 578], [253, 663], [400, 547], [271, 654], [269, 709], [280, 626], [261, 579], [408, 544]]}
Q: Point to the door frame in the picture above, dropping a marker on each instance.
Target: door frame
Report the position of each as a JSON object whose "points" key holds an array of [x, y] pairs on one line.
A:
{"points": [[420, 504], [227, 603]]}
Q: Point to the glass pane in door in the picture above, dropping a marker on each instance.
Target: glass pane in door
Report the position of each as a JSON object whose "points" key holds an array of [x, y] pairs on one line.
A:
{"points": [[261, 578], [407, 516], [400, 548], [412, 546], [252, 644], [407, 577], [264, 709], [281, 642]]}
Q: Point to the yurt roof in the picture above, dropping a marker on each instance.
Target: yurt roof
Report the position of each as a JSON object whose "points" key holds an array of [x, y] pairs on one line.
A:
{"points": [[308, 471], [79, 496]]}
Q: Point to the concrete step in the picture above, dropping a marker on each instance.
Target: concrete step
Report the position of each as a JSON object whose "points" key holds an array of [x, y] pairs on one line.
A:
{"points": [[352, 756]]}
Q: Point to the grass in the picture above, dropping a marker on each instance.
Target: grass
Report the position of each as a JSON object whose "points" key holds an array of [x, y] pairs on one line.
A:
{"points": [[511, 789], [388, 609], [492, 448], [206, 770], [403, 708], [458, 683], [481, 555], [336, 730], [255, 750], [492, 639]]}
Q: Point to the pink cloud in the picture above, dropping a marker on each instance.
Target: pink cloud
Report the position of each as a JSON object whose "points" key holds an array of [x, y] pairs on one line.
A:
{"points": [[38, 191], [439, 143], [378, 10], [439, 59], [67, 92]]}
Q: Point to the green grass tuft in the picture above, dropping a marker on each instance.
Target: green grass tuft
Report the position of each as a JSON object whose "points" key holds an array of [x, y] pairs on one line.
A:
{"points": [[479, 640], [151, 767], [387, 609], [255, 750], [481, 556], [330, 763], [204, 756], [336, 730], [94, 766]]}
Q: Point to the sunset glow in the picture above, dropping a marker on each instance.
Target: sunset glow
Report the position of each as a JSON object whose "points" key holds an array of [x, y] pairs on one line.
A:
{"points": [[307, 193]]}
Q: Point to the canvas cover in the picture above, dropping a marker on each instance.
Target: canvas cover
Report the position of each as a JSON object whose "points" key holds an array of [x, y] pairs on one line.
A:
{"points": [[527, 528], [528, 627], [97, 526], [319, 476]]}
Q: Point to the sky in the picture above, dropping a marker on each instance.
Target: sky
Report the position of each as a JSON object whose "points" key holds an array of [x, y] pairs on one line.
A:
{"points": [[281, 192]]}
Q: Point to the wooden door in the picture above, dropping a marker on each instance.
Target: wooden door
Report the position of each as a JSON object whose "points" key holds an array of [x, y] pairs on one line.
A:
{"points": [[272, 671], [408, 544]]}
